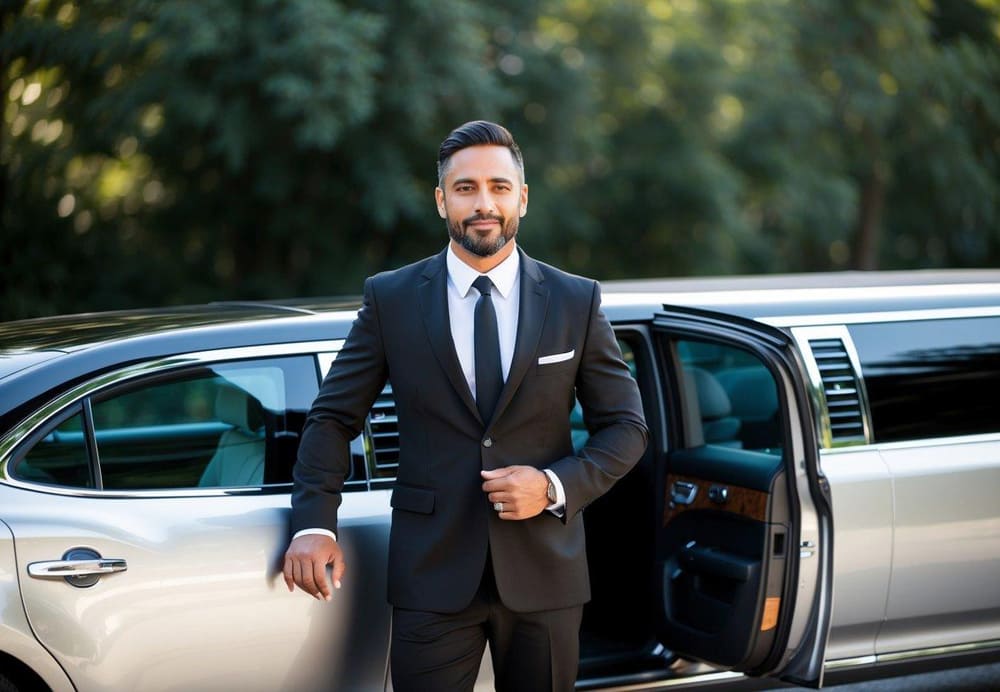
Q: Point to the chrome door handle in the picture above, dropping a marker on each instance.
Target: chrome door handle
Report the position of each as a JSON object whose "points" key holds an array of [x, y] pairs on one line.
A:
{"points": [[80, 567], [76, 568], [683, 493]]}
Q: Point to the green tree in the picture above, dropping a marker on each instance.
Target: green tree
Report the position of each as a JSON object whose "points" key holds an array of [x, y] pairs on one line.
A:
{"points": [[158, 152]]}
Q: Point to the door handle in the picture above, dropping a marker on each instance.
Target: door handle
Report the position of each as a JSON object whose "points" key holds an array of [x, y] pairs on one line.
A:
{"points": [[683, 493], [76, 568], [80, 567]]}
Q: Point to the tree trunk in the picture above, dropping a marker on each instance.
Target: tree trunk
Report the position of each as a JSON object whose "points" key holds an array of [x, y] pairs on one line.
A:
{"points": [[869, 228]]}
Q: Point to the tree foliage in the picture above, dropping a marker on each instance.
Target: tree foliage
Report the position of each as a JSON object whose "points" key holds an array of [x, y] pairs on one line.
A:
{"points": [[157, 152]]}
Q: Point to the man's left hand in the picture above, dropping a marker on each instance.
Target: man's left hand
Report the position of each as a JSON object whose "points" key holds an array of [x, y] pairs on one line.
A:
{"points": [[521, 489]]}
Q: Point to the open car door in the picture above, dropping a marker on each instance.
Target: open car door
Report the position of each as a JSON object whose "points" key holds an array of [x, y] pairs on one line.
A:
{"points": [[744, 544]]}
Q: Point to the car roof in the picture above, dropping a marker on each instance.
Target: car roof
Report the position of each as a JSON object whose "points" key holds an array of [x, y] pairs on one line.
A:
{"points": [[787, 299], [93, 341]]}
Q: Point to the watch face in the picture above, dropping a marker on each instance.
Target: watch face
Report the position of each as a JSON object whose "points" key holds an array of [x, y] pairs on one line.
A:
{"points": [[550, 492]]}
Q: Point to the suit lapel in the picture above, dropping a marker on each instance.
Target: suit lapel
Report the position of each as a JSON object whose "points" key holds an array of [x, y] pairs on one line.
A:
{"points": [[433, 296], [530, 320]]}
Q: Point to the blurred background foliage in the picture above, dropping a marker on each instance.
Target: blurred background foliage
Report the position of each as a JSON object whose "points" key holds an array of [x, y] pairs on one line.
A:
{"points": [[166, 151]]}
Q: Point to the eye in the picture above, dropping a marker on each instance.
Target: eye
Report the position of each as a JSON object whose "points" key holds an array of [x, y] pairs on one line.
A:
{"points": [[463, 188]]}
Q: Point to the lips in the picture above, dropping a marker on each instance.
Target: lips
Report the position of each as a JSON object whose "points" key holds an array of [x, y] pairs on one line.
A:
{"points": [[483, 224]]}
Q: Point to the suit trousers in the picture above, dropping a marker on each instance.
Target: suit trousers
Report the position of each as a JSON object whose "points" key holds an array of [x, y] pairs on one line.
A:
{"points": [[531, 652]]}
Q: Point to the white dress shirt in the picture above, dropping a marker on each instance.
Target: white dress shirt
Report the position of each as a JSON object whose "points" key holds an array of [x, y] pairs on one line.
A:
{"points": [[461, 316]]}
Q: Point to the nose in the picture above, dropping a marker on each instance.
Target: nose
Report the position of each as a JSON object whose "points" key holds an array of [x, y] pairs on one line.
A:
{"points": [[485, 203]]}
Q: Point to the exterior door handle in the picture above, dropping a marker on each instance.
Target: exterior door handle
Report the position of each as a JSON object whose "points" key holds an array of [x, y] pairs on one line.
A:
{"points": [[76, 568], [80, 567]]}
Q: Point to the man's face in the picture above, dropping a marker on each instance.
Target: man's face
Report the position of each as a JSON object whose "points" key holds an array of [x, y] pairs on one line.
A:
{"points": [[482, 199]]}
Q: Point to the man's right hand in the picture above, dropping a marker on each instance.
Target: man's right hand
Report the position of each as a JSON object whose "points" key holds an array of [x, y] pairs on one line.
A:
{"points": [[305, 565]]}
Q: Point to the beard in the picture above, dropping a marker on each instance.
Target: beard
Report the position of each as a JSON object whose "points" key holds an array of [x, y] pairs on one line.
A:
{"points": [[479, 245]]}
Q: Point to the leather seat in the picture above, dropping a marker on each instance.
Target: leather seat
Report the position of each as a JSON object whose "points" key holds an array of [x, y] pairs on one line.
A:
{"points": [[719, 426], [239, 456]]}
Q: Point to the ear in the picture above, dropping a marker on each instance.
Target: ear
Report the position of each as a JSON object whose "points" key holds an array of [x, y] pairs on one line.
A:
{"points": [[439, 199], [524, 200]]}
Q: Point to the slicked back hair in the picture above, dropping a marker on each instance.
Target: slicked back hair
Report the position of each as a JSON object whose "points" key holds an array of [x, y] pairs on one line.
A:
{"points": [[472, 134]]}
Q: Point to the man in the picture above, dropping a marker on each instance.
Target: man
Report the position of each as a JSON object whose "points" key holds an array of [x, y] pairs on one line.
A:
{"points": [[487, 540]]}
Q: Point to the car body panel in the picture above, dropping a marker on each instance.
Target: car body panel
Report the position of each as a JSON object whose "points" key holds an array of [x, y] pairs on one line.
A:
{"points": [[945, 585], [202, 577], [862, 504], [18, 641]]}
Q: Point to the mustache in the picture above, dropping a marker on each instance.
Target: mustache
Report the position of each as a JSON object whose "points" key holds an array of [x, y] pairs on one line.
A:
{"points": [[483, 217]]}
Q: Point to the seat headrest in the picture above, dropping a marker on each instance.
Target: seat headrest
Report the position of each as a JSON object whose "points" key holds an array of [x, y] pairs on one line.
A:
{"points": [[239, 409], [712, 398]]}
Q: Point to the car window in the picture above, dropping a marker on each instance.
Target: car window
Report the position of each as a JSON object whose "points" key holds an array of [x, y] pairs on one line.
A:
{"points": [[60, 457], [233, 424], [930, 378], [737, 398]]}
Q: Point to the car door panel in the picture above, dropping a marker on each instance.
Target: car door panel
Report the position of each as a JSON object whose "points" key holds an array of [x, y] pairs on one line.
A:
{"points": [[199, 600], [202, 603], [720, 597], [946, 532], [746, 569], [18, 640], [862, 502]]}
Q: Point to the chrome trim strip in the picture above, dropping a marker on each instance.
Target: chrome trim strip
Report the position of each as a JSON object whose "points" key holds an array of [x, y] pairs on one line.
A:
{"points": [[896, 656], [12, 439], [697, 679], [842, 663], [939, 651], [983, 438], [802, 336], [886, 316]]}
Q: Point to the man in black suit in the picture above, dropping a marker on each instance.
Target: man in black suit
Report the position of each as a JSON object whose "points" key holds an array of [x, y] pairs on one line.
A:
{"points": [[487, 538]]}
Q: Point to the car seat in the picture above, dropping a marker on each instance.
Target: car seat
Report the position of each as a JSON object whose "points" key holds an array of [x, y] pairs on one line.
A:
{"points": [[754, 398], [719, 426], [239, 456]]}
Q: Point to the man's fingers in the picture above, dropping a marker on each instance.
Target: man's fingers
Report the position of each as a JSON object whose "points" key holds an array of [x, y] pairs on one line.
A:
{"points": [[319, 579], [338, 571], [289, 573], [498, 473]]}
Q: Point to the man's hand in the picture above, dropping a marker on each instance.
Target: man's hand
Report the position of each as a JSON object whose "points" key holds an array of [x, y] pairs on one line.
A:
{"points": [[305, 565], [521, 489]]}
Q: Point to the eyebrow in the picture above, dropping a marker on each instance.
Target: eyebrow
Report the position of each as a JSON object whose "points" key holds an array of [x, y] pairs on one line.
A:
{"points": [[465, 181]]}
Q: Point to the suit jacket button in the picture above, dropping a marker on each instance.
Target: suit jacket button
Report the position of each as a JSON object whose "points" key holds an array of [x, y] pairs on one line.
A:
{"points": [[488, 442]]}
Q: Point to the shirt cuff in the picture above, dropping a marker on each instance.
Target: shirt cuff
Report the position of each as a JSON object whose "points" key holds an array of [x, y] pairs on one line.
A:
{"points": [[559, 506], [319, 532]]}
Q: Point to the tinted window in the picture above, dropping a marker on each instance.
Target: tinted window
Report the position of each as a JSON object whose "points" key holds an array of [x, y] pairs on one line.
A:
{"points": [[933, 378], [737, 398], [60, 457], [222, 425]]}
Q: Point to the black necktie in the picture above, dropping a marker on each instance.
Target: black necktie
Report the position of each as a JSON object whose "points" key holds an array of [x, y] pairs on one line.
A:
{"points": [[489, 375]]}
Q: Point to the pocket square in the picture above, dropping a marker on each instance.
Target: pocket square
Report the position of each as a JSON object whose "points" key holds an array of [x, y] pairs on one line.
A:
{"points": [[556, 357]]}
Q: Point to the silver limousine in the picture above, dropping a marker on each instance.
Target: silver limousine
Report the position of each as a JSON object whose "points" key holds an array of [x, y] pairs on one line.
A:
{"points": [[820, 496]]}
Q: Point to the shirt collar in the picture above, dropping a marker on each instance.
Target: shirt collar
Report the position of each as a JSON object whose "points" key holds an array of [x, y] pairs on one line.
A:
{"points": [[503, 276]]}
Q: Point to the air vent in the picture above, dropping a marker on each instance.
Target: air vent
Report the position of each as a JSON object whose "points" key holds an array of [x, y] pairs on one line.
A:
{"points": [[383, 431], [841, 390]]}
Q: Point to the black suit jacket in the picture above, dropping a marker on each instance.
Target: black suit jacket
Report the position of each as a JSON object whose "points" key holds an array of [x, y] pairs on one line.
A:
{"points": [[442, 522]]}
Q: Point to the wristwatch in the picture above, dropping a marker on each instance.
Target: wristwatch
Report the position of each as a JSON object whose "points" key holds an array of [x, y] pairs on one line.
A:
{"points": [[550, 493]]}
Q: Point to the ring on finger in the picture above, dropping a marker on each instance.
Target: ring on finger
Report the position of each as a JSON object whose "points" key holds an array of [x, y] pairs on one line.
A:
{"points": [[498, 506]]}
